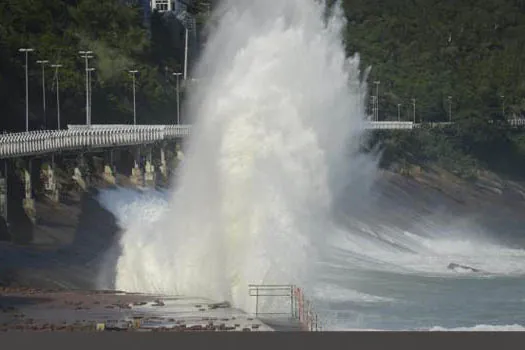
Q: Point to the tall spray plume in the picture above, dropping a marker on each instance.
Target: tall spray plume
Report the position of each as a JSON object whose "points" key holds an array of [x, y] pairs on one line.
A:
{"points": [[277, 117]]}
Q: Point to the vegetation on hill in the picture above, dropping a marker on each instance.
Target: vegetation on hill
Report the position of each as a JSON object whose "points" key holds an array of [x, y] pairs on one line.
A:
{"points": [[429, 50], [117, 34], [423, 49]]}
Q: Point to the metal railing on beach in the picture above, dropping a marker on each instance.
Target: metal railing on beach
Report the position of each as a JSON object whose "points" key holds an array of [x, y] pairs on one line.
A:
{"points": [[301, 309]]}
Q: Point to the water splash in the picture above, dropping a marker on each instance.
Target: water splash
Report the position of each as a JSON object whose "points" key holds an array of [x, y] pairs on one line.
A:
{"points": [[278, 118]]}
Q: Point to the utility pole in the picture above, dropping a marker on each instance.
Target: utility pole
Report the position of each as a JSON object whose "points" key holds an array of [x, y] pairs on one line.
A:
{"points": [[186, 54], [178, 96], [43, 63], [89, 90], [450, 109], [503, 105], [87, 55], [414, 105], [133, 73], [377, 82], [399, 112], [373, 109], [57, 66], [27, 51]]}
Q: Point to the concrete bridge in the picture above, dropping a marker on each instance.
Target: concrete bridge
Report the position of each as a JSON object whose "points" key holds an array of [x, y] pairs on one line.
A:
{"points": [[141, 154], [32, 156], [80, 137]]}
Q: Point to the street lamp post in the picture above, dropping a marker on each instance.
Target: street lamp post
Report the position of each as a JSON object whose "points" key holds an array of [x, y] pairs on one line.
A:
{"points": [[399, 112], [27, 51], [450, 109], [373, 108], [89, 89], [87, 55], [414, 105], [57, 66], [377, 82], [503, 105], [186, 54], [208, 8], [178, 97], [43, 63], [133, 73]]}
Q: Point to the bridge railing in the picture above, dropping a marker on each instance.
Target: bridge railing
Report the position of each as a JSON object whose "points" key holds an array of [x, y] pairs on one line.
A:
{"points": [[100, 136], [79, 137], [389, 125], [516, 122], [300, 308]]}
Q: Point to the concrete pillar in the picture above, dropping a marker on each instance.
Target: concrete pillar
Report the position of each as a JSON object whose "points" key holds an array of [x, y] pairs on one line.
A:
{"points": [[50, 182], [136, 176], [28, 202], [108, 175], [179, 154], [3, 194], [79, 178], [149, 174], [163, 164], [109, 166], [79, 173]]}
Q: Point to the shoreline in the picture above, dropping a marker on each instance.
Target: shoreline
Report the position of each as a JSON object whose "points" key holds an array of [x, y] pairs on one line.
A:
{"points": [[29, 310], [73, 237]]}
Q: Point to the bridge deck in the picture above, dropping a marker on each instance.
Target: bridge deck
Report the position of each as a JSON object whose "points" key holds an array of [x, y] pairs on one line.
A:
{"points": [[79, 137]]}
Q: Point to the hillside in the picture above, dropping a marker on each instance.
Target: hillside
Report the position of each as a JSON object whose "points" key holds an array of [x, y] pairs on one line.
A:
{"points": [[117, 34], [472, 51], [430, 49]]}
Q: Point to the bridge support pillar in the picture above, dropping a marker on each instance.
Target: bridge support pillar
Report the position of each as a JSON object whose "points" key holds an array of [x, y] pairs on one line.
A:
{"points": [[78, 174], [163, 164], [149, 174], [50, 182], [29, 202], [109, 169], [179, 154], [136, 175], [3, 195], [137, 178], [108, 175]]}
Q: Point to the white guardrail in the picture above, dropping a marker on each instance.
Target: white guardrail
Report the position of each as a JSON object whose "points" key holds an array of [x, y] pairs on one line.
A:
{"points": [[389, 125], [107, 135], [86, 137]]}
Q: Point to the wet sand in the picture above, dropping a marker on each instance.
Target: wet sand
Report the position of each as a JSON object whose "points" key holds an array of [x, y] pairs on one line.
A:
{"points": [[23, 309]]}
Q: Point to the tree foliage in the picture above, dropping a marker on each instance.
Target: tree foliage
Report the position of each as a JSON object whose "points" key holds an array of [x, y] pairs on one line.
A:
{"points": [[120, 41], [424, 49], [430, 49], [470, 50]]}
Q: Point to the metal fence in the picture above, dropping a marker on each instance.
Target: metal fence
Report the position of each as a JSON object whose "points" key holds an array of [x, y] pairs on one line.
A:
{"points": [[300, 309]]}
